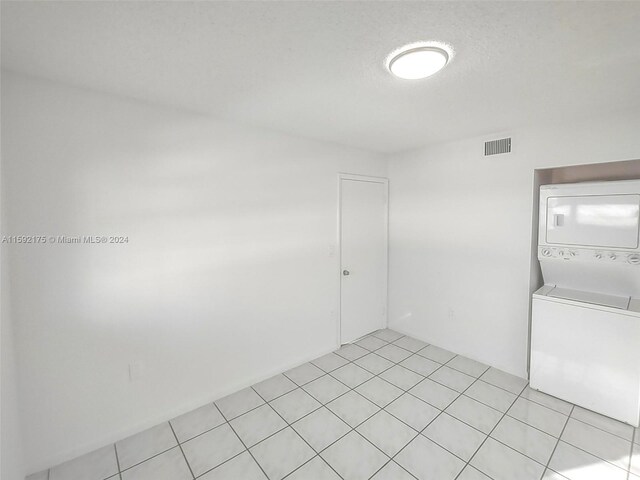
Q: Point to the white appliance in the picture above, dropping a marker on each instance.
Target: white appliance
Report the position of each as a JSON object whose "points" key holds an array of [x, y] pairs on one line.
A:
{"points": [[585, 333]]}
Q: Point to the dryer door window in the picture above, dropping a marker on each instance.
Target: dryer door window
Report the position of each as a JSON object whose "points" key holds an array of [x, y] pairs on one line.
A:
{"points": [[594, 220]]}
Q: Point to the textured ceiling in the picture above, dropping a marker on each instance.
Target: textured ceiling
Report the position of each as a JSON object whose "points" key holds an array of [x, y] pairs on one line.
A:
{"points": [[316, 69]]}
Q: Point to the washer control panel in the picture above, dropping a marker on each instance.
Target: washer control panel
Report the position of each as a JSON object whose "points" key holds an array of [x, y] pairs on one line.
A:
{"points": [[590, 255]]}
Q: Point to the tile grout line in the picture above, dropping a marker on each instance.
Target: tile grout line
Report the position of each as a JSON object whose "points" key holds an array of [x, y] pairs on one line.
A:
{"points": [[602, 429], [489, 436], [246, 449], [546, 468], [151, 457], [593, 454], [476, 379], [436, 417], [297, 386], [558, 439], [353, 429], [367, 351], [296, 432], [115, 449], [393, 364], [181, 450], [353, 389], [608, 462], [633, 440]]}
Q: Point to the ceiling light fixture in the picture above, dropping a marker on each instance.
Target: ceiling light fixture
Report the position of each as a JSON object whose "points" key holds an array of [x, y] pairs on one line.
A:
{"points": [[416, 61]]}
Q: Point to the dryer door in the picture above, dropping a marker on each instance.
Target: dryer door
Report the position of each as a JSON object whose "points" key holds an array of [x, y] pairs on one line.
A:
{"points": [[608, 221]]}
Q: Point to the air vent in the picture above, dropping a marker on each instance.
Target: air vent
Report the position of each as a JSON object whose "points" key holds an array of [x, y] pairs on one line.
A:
{"points": [[495, 147]]}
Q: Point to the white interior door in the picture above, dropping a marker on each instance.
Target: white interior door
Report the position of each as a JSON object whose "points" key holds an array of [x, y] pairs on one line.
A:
{"points": [[363, 256]]}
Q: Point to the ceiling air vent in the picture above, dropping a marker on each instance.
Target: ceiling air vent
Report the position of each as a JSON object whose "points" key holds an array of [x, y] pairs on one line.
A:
{"points": [[495, 147]]}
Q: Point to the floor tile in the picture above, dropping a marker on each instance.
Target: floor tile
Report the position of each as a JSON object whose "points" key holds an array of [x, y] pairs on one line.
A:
{"points": [[329, 362], [351, 375], [427, 460], [635, 460], [274, 387], [527, 440], [44, 475], [401, 377], [410, 343], [489, 395], [321, 428], [433, 393], [238, 403], [211, 449], [457, 437], [144, 445], [379, 391], [353, 408], [393, 353], [551, 475], [96, 465], [576, 464], [282, 453], [412, 411], [502, 463], [453, 379], [196, 422], [420, 365], [538, 416], [325, 389], [607, 424], [472, 473], [170, 465], [504, 380], [547, 400], [436, 354], [386, 432], [256, 425], [371, 343], [468, 366], [352, 352], [597, 442], [354, 458], [295, 405], [314, 469], [392, 471], [474, 413], [242, 466], [387, 335], [304, 373], [374, 363]]}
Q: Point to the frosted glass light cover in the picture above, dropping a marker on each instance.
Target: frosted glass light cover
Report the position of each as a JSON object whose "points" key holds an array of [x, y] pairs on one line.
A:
{"points": [[417, 63]]}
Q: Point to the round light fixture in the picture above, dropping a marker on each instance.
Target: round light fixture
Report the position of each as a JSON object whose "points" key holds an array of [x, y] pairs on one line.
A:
{"points": [[418, 62]]}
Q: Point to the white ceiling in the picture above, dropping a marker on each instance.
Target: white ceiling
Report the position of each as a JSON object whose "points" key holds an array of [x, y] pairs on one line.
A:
{"points": [[316, 69]]}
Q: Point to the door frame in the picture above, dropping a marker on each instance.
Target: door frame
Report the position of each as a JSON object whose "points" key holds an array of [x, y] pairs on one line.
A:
{"points": [[358, 178]]}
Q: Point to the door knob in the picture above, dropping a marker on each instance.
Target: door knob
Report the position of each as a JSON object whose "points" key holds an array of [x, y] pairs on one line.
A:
{"points": [[345, 272]]}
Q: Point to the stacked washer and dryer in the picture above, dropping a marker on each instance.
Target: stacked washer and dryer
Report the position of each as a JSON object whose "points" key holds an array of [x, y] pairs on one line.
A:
{"points": [[585, 332]]}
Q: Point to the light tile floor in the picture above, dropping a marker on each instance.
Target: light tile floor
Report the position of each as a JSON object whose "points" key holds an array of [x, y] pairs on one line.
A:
{"points": [[387, 407]]}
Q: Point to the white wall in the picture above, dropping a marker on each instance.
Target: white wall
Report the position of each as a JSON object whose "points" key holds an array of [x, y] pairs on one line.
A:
{"points": [[226, 278], [11, 453], [460, 234]]}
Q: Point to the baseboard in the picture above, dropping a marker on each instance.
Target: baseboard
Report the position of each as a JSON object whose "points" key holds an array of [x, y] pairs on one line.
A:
{"points": [[171, 413]]}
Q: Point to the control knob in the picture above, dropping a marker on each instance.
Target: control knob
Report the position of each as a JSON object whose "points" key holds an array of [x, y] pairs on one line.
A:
{"points": [[598, 255], [633, 259], [546, 252], [612, 256]]}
